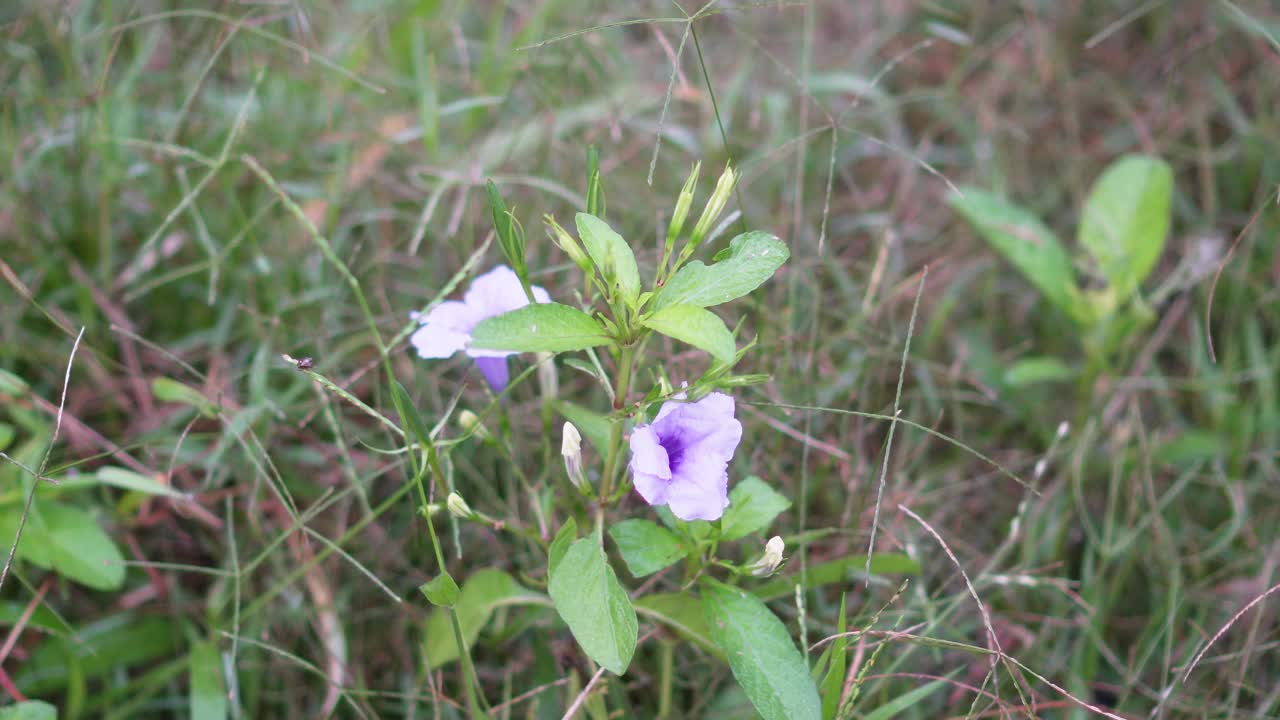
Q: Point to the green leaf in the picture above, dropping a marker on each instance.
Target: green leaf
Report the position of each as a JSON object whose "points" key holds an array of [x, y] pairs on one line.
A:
{"points": [[29, 710], [837, 571], [481, 594], [166, 390], [68, 540], [1125, 220], [1024, 241], [700, 328], [137, 482], [833, 684], [681, 612], [593, 426], [441, 590], [752, 506], [549, 327], [410, 420], [764, 660], [12, 385], [560, 544], [208, 697], [750, 259], [908, 699], [107, 646], [7, 434], [1037, 370], [595, 606], [610, 253], [646, 547]]}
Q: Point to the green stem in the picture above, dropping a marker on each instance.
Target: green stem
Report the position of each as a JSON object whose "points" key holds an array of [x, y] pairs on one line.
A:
{"points": [[475, 701], [621, 387], [666, 658]]}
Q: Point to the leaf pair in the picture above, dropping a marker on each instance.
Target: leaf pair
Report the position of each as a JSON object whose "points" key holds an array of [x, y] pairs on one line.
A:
{"points": [[678, 307], [1123, 227]]}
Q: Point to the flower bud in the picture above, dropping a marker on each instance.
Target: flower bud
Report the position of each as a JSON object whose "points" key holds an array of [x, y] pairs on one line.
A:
{"points": [[771, 559], [571, 450], [459, 507], [681, 212], [715, 206], [471, 423], [567, 243]]}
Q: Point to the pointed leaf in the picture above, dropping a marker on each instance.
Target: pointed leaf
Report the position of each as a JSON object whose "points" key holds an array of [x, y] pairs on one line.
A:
{"points": [[609, 251], [700, 328], [441, 590], [208, 698], [68, 540], [565, 537], [1024, 241], [595, 606], [681, 612], [542, 327], [833, 684], [764, 660], [750, 259], [646, 547], [1126, 220], [752, 506], [480, 595]]}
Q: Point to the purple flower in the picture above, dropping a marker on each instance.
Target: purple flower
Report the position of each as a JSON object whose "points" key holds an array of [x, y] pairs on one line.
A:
{"points": [[681, 459], [446, 329]]}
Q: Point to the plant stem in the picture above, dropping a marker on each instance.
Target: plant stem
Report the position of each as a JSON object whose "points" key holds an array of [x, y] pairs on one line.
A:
{"points": [[666, 658], [621, 387]]}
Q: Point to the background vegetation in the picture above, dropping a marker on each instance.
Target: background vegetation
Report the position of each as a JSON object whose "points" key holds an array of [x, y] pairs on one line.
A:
{"points": [[263, 538]]}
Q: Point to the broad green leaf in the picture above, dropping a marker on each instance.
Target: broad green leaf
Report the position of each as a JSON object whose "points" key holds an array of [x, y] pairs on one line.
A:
{"points": [[29, 710], [908, 699], [1125, 220], [208, 699], [752, 506], [700, 328], [1037, 370], [67, 540], [542, 327], [837, 571], [1024, 241], [483, 592], [130, 480], [593, 426], [441, 590], [595, 606], [764, 660], [7, 434], [682, 612], [646, 547], [833, 683], [608, 250], [109, 645], [565, 537], [750, 259]]}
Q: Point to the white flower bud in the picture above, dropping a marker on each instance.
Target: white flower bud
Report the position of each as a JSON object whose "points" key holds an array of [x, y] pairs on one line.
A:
{"points": [[459, 507], [571, 450], [771, 559], [470, 422]]}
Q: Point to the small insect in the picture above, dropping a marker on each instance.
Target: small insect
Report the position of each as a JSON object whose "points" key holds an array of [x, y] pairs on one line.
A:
{"points": [[306, 363]]}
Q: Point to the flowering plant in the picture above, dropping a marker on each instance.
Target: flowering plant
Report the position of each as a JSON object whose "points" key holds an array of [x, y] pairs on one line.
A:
{"points": [[672, 446]]}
